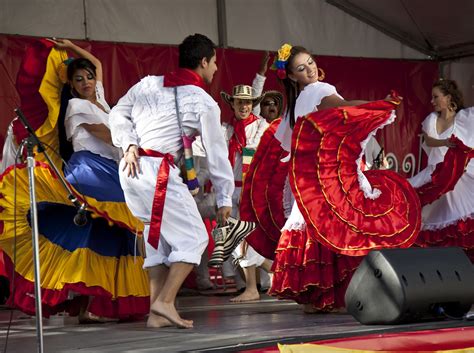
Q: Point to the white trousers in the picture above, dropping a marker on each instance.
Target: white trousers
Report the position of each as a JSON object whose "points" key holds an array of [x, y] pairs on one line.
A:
{"points": [[183, 236], [251, 258]]}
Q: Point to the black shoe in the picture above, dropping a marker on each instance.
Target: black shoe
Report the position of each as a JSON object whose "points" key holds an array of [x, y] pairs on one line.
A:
{"points": [[227, 238]]}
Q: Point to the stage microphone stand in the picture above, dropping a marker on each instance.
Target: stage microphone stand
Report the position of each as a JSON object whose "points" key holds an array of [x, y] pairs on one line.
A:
{"points": [[30, 145], [31, 142]]}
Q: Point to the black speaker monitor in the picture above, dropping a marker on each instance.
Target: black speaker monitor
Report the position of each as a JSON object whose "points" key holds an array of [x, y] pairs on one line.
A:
{"points": [[405, 285]]}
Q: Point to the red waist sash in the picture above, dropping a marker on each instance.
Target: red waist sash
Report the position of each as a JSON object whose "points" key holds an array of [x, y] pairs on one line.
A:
{"points": [[160, 193]]}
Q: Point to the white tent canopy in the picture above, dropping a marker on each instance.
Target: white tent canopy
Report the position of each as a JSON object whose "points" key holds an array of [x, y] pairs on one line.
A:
{"points": [[415, 29], [251, 24]]}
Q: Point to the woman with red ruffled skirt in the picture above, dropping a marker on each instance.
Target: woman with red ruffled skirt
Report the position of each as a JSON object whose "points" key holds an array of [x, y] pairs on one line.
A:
{"points": [[339, 213], [446, 185]]}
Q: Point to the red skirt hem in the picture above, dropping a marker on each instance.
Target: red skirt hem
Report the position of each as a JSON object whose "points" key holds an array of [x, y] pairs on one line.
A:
{"points": [[460, 234], [309, 273], [55, 301]]}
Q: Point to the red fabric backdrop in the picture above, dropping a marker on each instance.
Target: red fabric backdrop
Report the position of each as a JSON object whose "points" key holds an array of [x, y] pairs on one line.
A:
{"points": [[355, 78]]}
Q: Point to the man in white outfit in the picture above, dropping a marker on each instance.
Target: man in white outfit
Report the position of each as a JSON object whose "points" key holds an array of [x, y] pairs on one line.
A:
{"points": [[148, 124]]}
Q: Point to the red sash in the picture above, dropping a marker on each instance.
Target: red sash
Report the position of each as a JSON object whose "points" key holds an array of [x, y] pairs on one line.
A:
{"points": [[160, 193], [182, 77], [239, 138]]}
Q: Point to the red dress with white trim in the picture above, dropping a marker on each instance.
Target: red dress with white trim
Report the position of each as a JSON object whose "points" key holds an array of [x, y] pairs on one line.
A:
{"points": [[340, 212], [446, 186]]}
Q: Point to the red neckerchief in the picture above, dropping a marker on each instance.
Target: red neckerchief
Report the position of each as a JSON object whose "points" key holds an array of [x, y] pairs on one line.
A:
{"points": [[182, 77], [239, 139]]}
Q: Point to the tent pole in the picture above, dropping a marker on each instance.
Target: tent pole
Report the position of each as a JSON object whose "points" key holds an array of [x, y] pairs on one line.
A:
{"points": [[221, 23], [86, 35]]}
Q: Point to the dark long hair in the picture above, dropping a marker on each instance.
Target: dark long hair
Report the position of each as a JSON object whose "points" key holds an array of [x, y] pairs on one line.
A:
{"points": [[450, 87], [65, 146], [292, 89], [67, 93]]}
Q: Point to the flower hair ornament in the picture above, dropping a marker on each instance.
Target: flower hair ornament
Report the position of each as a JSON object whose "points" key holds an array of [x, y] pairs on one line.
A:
{"points": [[281, 60]]}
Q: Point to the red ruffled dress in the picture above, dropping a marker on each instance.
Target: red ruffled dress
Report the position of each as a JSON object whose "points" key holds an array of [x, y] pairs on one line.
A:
{"points": [[339, 213], [446, 186]]}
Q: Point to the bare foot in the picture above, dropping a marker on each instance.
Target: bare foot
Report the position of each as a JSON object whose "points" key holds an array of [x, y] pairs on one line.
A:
{"points": [[246, 296], [89, 318], [156, 321], [168, 311], [310, 309], [339, 311]]}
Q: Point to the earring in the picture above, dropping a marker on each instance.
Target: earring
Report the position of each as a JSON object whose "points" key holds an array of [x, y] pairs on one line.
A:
{"points": [[73, 92], [452, 107], [321, 74]]}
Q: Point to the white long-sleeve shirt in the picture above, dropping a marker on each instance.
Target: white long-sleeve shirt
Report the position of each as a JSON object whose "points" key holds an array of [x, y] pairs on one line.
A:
{"points": [[146, 117], [81, 111], [257, 85]]}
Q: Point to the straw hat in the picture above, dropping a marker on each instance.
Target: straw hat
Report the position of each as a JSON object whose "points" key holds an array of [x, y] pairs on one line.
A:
{"points": [[277, 97], [242, 92]]}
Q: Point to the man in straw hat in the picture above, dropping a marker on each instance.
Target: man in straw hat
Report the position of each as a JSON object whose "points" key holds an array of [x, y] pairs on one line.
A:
{"points": [[243, 134]]}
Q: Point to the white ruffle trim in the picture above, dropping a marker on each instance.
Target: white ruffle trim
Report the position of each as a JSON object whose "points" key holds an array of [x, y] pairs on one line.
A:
{"points": [[299, 226], [442, 225], [286, 159], [81, 111], [191, 99], [364, 185]]}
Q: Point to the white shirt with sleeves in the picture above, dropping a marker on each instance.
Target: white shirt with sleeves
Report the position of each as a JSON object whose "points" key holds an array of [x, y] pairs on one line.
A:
{"points": [[81, 111], [457, 204], [307, 102], [146, 117]]}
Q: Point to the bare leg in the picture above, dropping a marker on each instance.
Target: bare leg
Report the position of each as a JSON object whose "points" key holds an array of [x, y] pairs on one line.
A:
{"points": [[157, 276], [251, 293], [230, 273], [164, 303], [310, 309], [267, 265], [85, 316]]}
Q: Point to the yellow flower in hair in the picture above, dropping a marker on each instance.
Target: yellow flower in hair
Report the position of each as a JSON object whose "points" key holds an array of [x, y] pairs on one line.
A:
{"points": [[62, 72], [284, 52]]}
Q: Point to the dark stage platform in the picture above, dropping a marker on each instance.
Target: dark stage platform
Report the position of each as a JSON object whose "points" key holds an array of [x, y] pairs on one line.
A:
{"points": [[220, 326]]}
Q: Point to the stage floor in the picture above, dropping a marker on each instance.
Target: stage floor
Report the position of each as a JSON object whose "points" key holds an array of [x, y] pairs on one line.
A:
{"points": [[220, 326]]}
